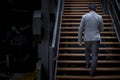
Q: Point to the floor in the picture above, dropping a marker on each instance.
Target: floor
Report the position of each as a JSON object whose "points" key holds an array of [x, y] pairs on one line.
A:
{"points": [[23, 76]]}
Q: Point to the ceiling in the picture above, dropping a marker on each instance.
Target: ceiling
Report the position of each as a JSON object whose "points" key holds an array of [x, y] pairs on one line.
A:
{"points": [[17, 11]]}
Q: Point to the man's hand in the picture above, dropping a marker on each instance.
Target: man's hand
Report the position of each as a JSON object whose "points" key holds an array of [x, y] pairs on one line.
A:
{"points": [[80, 43]]}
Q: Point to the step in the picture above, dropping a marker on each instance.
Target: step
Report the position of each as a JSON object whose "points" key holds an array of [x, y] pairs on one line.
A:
{"points": [[85, 69], [106, 48], [79, 10], [85, 7], [76, 32], [78, 23], [82, 15], [81, 5], [83, 43], [81, 54], [76, 19], [82, 61], [69, 2], [84, 0], [68, 28], [78, 13], [76, 37], [70, 77]]}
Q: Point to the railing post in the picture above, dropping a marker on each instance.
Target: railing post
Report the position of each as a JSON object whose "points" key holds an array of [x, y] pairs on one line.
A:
{"points": [[51, 71], [37, 39], [55, 42], [37, 26], [105, 6], [45, 9], [115, 19]]}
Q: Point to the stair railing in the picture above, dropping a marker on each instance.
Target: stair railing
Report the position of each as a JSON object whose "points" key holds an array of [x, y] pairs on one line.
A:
{"points": [[114, 11], [104, 6], [53, 55], [113, 8]]}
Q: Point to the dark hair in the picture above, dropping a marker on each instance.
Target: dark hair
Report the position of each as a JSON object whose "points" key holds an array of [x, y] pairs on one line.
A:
{"points": [[92, 7]]}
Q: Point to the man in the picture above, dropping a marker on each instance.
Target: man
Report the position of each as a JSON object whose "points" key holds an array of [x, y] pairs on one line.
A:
{"points": [[92, 25]]}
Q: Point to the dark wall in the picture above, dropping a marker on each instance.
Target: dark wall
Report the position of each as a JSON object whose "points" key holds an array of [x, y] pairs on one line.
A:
{"points": [[16, 41]]}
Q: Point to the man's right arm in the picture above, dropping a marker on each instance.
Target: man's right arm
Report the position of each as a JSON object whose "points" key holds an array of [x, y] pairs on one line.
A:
{"points": [[82, 24]]}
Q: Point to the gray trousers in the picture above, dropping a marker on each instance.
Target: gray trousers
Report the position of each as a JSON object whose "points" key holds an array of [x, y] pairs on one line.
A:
{"points": [[92, 47]]}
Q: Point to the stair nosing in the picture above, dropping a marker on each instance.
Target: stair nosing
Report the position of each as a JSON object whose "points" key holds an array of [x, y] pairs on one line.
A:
{"points": [[113, 77], [106, 48], [85, 69], [83, 61], [83, 54]]}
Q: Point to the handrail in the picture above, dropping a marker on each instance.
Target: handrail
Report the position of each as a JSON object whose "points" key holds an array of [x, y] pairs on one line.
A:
{"points": [[116, 1], [56, 24], [105, 5], [62, 8], [113, 9], [117, 8], [115, 20], [55, 42]]}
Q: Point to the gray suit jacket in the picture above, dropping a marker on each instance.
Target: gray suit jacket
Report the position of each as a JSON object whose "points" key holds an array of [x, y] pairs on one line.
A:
{"points": [[92, 25]]}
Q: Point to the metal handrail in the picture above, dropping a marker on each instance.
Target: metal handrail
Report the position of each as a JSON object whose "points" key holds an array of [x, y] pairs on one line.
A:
{"points": [[111, 4], [115, 20], [56, 24], [62, 8], [105, 5], [116, 1], [55, 42]]}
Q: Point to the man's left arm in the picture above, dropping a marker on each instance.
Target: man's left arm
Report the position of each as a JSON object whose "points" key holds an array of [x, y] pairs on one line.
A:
{"points": [[101, 24]]}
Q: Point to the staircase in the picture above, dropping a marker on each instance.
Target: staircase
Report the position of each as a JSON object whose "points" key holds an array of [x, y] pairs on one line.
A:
{"points": [[71, 57]]}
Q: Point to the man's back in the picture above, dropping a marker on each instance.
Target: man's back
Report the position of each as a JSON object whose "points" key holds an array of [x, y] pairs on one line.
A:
{"points": [[93, 25]]}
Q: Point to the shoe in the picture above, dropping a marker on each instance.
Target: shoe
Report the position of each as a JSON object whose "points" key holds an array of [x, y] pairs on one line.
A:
{"points": [[87, 66], [92, 74]]}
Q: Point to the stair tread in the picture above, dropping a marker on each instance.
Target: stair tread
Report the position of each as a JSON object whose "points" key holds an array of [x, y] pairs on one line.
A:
{"points": [[83, 42], [105, 48], [78, 27], [78, 23], [85, 69], [76, 19], [78, 13], [76, 32], [113, 77], [80, 5], [81, 54], [81, 2], [80, 10], [81, 15], [76, 37], [83, 61]]}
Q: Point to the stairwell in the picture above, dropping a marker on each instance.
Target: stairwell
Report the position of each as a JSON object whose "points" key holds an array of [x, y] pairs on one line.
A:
{"points": [[71, 57]]}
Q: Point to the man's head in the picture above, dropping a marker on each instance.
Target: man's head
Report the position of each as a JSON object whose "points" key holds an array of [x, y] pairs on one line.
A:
{"points": [[92, 7]]}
